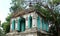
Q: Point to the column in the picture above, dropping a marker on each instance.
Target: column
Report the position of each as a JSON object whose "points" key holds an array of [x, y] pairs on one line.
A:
{"points": [[10, 25], [16, 24], [34, 20], [26, 22]]}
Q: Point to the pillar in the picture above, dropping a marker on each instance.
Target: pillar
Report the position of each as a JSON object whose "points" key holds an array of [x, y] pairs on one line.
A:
{"points": [[26, 22], [16, 24], [34, 20]]}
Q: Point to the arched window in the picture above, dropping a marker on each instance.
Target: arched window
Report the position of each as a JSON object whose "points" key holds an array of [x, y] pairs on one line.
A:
{"points": [[30, 22], [38, 22], [13, 25]]}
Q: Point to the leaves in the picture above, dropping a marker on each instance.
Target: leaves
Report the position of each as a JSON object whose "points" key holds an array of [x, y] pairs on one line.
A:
{"points": [[6, 25], [51, 14], [2, 33], [17, 5]]}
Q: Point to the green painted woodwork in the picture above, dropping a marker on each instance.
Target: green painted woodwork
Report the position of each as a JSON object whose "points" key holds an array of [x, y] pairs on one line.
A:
{"points": [[19, 24], [38, 22], [42, 24], [30, 22], [13, 25], [23, 24], [22, 27], [47, 26]]}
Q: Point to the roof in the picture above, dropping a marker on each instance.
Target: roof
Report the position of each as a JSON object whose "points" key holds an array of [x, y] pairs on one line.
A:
{"points": [[26, 11]]}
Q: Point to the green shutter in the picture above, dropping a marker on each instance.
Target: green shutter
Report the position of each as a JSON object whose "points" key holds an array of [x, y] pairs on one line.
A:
{"points": [[13, 25], [30, 22], [23, 24], [19, 24], [47, 26], [42, 24], [38, 22]]}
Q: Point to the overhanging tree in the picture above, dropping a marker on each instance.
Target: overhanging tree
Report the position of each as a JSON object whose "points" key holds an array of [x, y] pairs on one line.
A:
{"points": [[6, 25], [17, 5], [50, 13]]}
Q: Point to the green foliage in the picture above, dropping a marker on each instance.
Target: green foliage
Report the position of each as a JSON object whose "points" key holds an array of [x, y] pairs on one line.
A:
{"points": [[56, 1], [2, 32], [8, 17], [51, 15], [45, 11], [6, 25], [17, 5]]}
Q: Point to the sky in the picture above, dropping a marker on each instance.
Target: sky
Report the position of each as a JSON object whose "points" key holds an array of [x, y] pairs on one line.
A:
{"points": [[4, 9]]}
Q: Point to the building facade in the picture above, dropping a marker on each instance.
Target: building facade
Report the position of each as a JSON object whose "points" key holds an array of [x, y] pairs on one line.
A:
{"points": [[28, 23]]}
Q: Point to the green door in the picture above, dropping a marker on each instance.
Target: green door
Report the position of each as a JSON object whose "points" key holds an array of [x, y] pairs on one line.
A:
{"points": [[38, 22]]}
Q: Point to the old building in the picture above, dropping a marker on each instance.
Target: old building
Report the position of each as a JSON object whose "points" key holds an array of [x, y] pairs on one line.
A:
{"points": [[28, 23]]}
